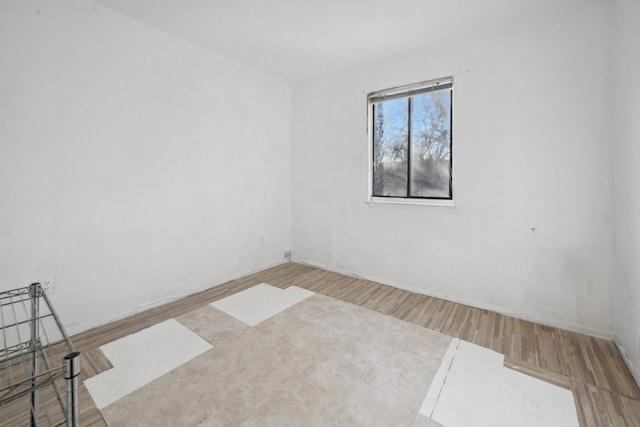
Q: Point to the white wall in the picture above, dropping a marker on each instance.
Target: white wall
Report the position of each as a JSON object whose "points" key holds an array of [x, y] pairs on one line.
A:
{"points": [[626, 107], [531, 147], [134, 167]]}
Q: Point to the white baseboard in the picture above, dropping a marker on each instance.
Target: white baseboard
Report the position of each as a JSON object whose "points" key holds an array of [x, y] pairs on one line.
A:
{"points": [[76, 329], [531, 317], [218, 282], [627, 360]]}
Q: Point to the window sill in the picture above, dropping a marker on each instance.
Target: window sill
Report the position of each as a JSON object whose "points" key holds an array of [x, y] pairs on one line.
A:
{"points": [[423, 202]]}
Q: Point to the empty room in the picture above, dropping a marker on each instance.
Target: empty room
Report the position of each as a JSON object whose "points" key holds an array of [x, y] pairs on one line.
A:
{"points": [[305, 213]]}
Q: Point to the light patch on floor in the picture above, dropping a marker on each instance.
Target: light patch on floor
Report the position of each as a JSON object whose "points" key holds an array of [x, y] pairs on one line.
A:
{"points": [[475, 389], [257, 304], [142, 357], [320, 362], [308, 359]]}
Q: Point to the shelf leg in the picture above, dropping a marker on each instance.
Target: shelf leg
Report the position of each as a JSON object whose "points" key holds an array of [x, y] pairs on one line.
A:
{"points": [[71, 374]]}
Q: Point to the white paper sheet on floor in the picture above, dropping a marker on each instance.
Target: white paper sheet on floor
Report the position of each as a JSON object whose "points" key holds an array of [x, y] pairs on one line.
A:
{"points": [[474, 388], [142, 357], [255, 305]]}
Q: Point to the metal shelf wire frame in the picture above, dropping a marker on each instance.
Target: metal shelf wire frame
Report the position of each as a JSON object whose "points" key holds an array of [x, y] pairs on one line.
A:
{"points": [[37, 361]]}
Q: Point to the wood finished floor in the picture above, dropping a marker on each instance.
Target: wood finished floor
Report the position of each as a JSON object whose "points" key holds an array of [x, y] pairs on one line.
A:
{"points": [[604, 390]]}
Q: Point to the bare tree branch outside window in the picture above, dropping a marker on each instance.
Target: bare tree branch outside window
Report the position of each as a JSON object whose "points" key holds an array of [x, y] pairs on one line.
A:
{"points": [[412, 145]]}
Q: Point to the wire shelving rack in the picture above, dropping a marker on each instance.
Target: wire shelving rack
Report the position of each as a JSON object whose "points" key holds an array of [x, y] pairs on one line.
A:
{"points": [[39, 368]]}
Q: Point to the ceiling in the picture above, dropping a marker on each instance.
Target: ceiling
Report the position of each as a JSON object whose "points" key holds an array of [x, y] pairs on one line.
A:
{"points": [[300, 39]]}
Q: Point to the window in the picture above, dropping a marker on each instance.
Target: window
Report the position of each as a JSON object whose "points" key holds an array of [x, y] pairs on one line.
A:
{"points": [[411, 141]]}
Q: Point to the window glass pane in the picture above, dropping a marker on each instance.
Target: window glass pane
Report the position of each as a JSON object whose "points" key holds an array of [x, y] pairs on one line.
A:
{"points": [[430, 172], [390, 145]]}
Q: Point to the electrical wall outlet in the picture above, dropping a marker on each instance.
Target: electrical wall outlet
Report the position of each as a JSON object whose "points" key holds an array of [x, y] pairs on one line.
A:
{"points": [[48, 285]]}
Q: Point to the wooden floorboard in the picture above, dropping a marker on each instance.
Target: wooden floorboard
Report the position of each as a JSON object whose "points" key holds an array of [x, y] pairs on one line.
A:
{"points": [[538, 372], [604, 390]]}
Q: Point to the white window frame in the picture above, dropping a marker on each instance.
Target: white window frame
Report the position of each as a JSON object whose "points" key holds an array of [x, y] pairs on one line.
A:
{"points": [[402, 91]]}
